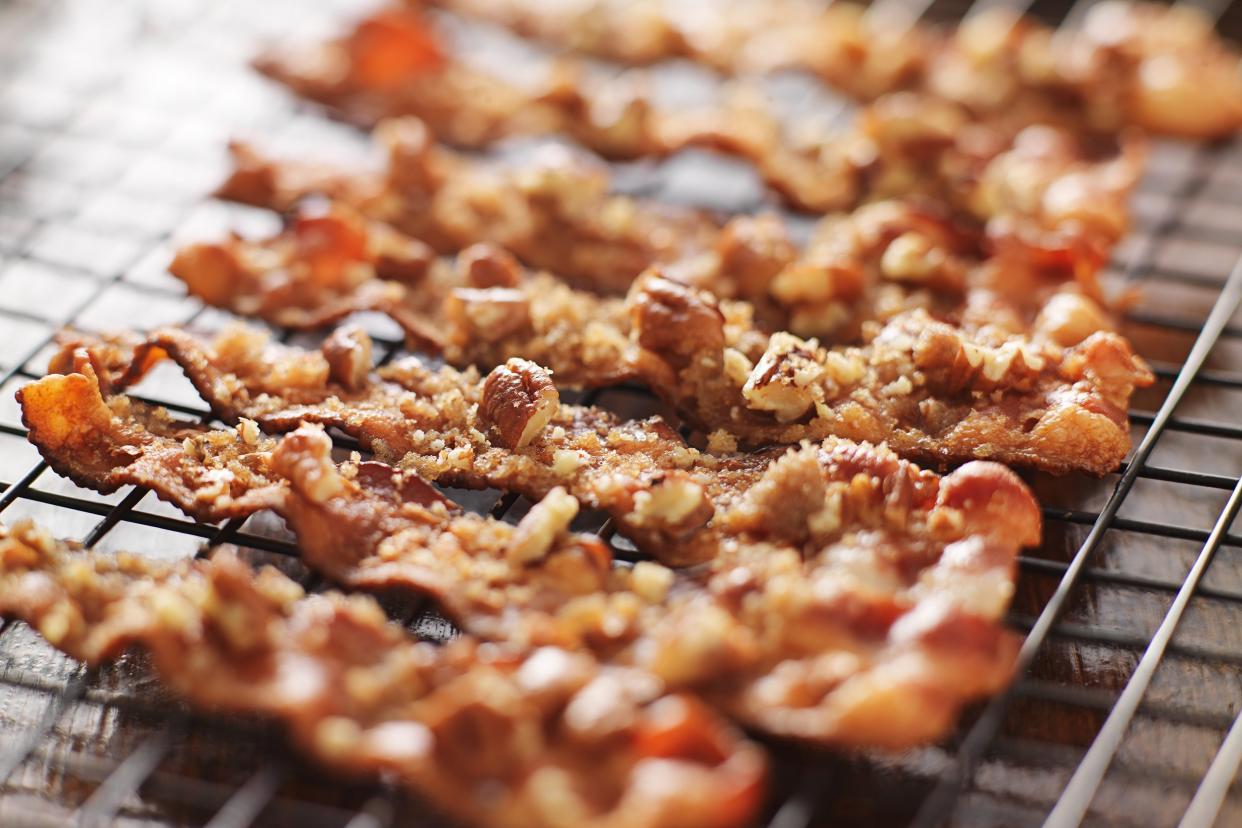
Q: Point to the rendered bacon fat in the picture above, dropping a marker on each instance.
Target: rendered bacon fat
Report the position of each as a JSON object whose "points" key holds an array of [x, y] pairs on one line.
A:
{"points": [[492, 736], [864, 616]]}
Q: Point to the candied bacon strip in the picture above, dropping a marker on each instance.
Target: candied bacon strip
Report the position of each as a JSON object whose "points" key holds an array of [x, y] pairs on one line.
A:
{"points": [[131, 443], [1158, 67], [481, 311], [394, 62], [855, 602], [924, 387], [838, 42], [843, 581], [211, 475], [881, 259], [1040, 188], [493, 736], [470, 107], [553, 212], [510, 432]]}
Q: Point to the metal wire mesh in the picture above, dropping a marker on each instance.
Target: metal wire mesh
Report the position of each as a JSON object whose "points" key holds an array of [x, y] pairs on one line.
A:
{"points": [[112, 121]]}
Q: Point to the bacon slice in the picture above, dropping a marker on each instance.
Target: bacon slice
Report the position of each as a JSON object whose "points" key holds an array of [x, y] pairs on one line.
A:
{"points": [[1042, 187], [554, 213], [493, 736], [1146, 64], [841, 580], [509, 433], [373, 73], [857, 54], [1158, 67], [853, 601], [921, 386], [211, 475], [481, 311], [869, 265], [395, 62]]}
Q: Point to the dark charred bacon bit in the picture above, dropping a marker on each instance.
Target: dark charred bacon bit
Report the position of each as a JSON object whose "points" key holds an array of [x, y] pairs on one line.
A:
{"points": [[837, 545], [930, 390], [361, 696]]}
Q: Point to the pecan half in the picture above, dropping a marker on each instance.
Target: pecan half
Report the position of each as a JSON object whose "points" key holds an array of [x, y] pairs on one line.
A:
{"points": [[488, 266], [348, 352], [675, 320], [519, 399]]}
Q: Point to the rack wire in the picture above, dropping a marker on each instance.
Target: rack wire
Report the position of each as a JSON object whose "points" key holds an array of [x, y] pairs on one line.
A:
{"points": [[1127, 712]]}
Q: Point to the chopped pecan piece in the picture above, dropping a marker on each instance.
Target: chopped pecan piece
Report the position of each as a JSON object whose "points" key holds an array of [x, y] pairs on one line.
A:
{"points": [[488, 266], [540, 527], [348, 352], [787, 378], [493, 313], [673, 318]]}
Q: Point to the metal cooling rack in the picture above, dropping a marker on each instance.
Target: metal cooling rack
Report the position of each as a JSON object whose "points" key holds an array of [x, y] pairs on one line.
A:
{"points": [[112, 120]]}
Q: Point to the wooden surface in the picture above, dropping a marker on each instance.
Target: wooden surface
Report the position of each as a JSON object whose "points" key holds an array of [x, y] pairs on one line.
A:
{"points": [[112, 124]]}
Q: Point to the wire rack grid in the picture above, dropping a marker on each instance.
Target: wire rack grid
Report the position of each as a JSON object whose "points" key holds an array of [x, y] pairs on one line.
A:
{"points": [[111, 128]]}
